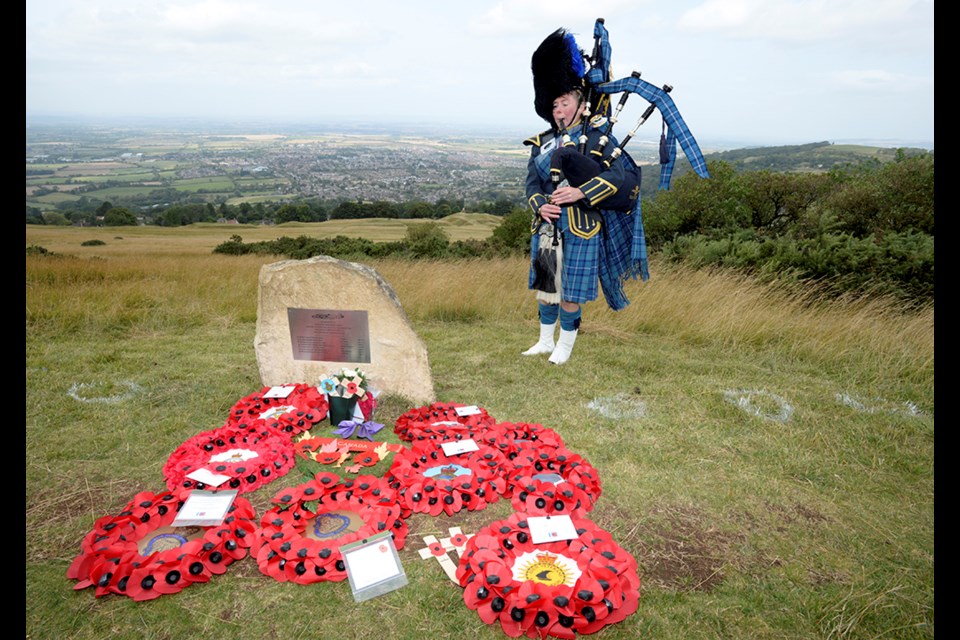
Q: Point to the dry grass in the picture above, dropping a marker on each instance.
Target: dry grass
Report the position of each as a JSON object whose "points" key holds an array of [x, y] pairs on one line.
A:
{"points": [[200, 239], [743, 526], [699, 306]]}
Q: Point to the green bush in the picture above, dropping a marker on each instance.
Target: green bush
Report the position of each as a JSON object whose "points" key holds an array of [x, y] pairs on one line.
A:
{"points": [[234, 246], [899, 264], [513, 233], [119, 217], [92, 243], [426, 240]]}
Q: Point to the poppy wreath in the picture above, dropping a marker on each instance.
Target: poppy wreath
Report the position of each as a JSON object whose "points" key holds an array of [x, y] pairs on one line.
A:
{"points": [[543, 480], [509, 437], [429, 481], [298, 412], [251, 458], [443, 432], [137, 553], [413, 419], [557, 589], [299, 538]]}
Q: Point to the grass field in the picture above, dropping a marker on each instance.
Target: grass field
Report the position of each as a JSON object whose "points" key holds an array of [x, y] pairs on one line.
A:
{"points": [[767, 457], [202, 238]]}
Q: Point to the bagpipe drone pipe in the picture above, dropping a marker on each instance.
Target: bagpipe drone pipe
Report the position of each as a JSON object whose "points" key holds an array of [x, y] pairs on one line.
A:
{"points": [[578, 164]]}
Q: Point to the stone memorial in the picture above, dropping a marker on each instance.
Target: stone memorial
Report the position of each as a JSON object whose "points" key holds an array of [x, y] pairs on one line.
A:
{"points": [[317, 316]]}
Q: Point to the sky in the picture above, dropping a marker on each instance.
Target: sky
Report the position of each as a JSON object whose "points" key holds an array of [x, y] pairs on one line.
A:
{"points": [[744, 72]]}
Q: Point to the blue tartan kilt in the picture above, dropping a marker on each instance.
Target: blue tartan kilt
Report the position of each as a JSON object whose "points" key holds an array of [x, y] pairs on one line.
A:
{"points": [[581, 264]]}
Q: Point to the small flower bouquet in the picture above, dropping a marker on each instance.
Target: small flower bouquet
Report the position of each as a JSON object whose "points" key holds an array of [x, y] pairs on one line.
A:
{"points": [[346, 390]]}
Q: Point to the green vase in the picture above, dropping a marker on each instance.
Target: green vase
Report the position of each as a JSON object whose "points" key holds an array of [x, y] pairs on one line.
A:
{"points": [[341, 409]]}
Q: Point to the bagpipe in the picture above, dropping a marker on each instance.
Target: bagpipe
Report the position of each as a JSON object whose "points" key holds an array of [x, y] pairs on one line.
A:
{"points": [[579, 164]]}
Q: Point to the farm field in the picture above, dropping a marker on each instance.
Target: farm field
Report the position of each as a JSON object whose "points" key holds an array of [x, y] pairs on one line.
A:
{"points": [[202, 238], [150, 167]]}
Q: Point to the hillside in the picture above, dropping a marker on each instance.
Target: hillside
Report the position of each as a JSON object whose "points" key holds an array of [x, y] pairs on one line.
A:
{"points": [[75, 170], [815, 156]]}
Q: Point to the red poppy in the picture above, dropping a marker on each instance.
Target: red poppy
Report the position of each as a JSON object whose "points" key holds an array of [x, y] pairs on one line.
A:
{"points": [[111, 560], [283, 545], [557, 589], [249, 459], [429, 481], [437, 549], [329, 457], [439, 412], [458, 540], [308, 406], [366, 459]]}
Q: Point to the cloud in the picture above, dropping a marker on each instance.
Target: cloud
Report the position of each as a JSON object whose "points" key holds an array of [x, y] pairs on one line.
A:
{"points": [[811, 20], [236, 32], [878, 81], [512, 17]]}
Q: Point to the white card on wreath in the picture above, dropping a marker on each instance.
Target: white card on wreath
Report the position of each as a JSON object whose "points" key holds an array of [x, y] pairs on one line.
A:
{"points": [[205, 508], [456, 447], [373, 566], [208, 477], [472, 410], [279, 392], [551, 528]]}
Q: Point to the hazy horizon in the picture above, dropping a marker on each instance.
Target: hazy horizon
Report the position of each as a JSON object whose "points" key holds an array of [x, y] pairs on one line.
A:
{"points": [[239, 126], [764, 72]]}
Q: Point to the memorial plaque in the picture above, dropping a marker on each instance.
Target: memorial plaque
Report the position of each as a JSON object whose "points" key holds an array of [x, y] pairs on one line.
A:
{"points": [[329, 335]]}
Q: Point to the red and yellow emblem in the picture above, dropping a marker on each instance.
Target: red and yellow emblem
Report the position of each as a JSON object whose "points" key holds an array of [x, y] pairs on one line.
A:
{"points": [[546, 568]]}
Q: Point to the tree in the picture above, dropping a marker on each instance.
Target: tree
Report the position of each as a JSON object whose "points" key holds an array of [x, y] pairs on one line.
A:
{"points": [[714, 206], [502, 207], [418, 209], [172, 217], [35, 216], [292, 213], [777, 201], [55, 218], [119, 217], [103, 208], [345, 211]]}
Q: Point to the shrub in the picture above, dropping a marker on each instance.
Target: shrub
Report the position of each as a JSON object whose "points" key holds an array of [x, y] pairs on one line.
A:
{"points": [[234, 246], [426, 240], [92, 243], [513, 233]]}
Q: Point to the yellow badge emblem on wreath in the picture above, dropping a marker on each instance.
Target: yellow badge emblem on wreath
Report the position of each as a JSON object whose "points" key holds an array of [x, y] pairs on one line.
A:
{"points": [[545, 568]]}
